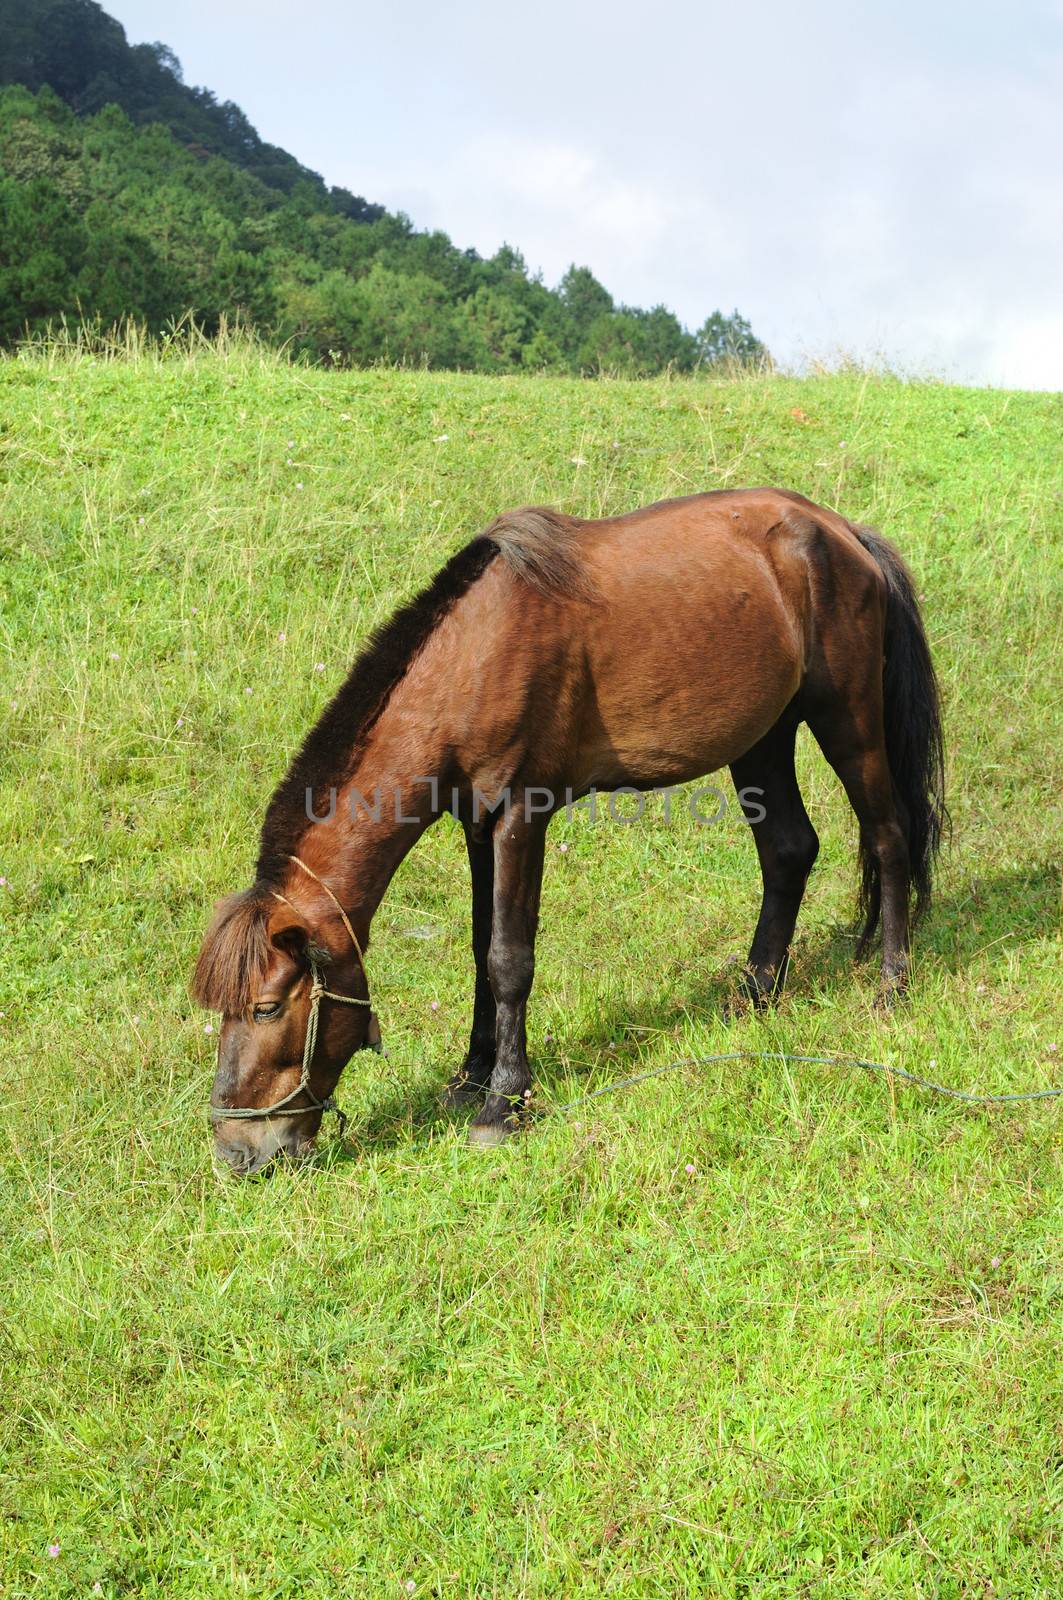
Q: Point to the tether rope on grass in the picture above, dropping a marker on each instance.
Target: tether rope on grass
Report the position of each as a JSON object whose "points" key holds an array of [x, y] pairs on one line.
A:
{"points": [[823, 1061]]}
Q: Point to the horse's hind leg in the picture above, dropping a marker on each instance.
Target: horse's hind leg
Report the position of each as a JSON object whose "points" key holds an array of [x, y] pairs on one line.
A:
{"points": [[787, 846], [474, 1075], [852, 738]]}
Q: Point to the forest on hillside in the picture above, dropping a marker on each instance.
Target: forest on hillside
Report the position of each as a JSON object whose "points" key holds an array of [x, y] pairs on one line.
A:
{"points": [[125, 193]]}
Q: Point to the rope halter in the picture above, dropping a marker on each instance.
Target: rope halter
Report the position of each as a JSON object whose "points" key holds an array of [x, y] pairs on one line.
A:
{"points": [[318, 992]]}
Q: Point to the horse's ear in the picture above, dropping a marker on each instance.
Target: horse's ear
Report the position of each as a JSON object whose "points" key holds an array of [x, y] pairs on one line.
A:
{"points": [[289, 936]]}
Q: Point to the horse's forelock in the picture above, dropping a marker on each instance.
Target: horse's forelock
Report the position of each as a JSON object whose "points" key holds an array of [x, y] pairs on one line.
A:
{"points": [[234, 954]]}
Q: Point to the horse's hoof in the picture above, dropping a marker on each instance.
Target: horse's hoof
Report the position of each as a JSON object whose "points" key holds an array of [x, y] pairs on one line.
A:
{"points": [[890, 997], [738, 1007], [489, 1135], [460, 1095]]}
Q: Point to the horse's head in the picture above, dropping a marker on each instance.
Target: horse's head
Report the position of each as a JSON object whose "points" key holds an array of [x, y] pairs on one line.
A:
{"points": [[294, 1000]]}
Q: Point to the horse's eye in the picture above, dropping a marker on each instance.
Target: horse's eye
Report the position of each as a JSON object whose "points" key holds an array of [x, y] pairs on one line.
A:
{"points": [[267, 1009]]}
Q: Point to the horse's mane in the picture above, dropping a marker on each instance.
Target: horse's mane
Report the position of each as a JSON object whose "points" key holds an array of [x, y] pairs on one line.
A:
{"points": [[234, 953], [534, 542]]}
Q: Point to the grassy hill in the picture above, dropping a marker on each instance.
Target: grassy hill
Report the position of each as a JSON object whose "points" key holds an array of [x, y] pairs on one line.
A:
{"points": [[744, 1330]]}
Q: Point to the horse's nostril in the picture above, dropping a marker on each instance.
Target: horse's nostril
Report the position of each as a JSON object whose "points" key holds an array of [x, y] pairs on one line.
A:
{"points": [[237, 1156]]}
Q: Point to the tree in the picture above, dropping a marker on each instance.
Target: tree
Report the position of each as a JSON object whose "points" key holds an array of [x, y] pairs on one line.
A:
{"points": [[610, 346], [662, 342], [161, 199], [404, 318], [495, 329], [723, 339], [541, 354], [583, 301], [42, 247]]}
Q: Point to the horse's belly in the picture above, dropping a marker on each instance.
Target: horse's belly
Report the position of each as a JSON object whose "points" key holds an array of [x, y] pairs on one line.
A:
{"points": [[683, 742], [692, 682]]}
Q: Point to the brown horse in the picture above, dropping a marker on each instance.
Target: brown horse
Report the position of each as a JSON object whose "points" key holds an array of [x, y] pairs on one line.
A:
{"points": [[549, 658]]}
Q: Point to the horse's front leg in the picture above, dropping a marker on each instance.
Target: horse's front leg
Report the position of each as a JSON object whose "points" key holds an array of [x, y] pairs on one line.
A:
{"points": [[519, 842], [474, 1075]]}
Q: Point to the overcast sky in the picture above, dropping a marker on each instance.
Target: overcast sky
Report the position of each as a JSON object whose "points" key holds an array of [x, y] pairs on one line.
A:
{"points": [[865, 179]]}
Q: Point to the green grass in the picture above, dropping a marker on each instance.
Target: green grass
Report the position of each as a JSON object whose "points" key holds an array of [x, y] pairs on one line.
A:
{"points": [[827, 1361]]}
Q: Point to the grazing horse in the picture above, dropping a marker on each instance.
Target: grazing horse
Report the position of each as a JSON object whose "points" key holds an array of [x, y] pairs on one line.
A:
{"points": [[550, 657]]}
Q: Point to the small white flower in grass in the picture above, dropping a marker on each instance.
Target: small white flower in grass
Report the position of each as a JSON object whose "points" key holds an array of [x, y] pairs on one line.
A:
{"points": [[319, 666], [249, 690], [409, 1586], [140, 520], [435, 1005], [1052, 1049], [4, 883], [563, 849], [291, 444], [690, 1169], [979, 988], [841, 444], [180, 722], [995, 1262], [578, 461], [114, 655], [298, 486], [612, 1044], [209, 1028], [282, 638], [932, 1062], [441, 438], [53, 1550]]}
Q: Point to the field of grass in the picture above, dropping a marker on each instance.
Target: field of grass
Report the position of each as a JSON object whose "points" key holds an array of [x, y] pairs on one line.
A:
{"points": [[743, 1330]]}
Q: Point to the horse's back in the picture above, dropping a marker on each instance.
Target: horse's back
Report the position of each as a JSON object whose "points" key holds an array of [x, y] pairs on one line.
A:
{"points": [[691, 636]]}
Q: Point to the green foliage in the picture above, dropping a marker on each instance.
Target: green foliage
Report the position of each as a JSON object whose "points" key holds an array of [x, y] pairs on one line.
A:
{"points": [[160, 202], [822, 1365], [42, 245], [729, 341], [496, 329], [82, 54], [585, 301]]}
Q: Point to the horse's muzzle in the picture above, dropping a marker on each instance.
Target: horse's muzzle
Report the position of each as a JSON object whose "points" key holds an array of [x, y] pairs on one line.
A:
{"points": [[247, 1148]]}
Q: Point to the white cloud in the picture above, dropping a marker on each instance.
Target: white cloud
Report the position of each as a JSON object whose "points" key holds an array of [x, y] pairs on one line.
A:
{"points": [[557, 203], [936, 242], [871, 179], [1027, 352]]}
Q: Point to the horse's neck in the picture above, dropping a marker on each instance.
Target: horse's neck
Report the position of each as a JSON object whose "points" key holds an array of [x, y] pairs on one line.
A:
{"points": [[379, 813]]}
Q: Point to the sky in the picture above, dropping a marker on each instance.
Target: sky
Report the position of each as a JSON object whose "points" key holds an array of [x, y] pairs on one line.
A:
{"points": [[879, 181]]}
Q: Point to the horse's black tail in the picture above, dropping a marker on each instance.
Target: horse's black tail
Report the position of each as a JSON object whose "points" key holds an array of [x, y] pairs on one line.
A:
{"points": [[914, 741]]}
